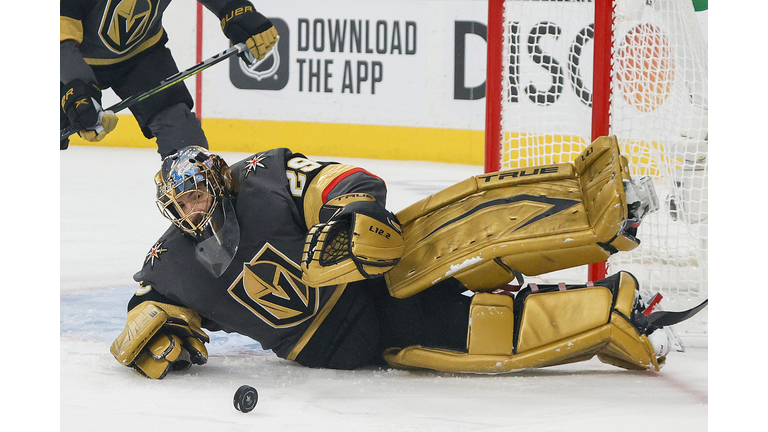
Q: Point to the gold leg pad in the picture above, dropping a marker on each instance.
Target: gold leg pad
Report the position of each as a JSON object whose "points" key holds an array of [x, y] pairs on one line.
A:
{"points": [[554, 327], [562, 315], [534, 220], [626, 349], [611, 344], [491, 325], [567, 351]]}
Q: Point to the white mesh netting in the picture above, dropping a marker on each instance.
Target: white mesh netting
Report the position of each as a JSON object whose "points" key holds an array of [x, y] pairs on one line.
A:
{"points": [[658, 111]]}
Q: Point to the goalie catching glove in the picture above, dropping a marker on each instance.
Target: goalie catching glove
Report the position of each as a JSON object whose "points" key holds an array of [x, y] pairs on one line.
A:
{"points": [[159, 338], [360, 240], [241, 23]]}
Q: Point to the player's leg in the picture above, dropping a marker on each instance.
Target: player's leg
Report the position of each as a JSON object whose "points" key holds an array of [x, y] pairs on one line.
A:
{"points": [[346, 337], [366, 319], [436, 317], [490, 228], [167, 115], [176, 127]]}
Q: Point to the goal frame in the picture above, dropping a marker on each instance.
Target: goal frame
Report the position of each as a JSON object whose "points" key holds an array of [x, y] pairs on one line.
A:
{"points": [[602, 85], [603, 43], [649, 88]]}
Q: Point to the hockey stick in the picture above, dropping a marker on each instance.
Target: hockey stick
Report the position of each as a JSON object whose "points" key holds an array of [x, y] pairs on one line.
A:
{"points": [[171, 80]]}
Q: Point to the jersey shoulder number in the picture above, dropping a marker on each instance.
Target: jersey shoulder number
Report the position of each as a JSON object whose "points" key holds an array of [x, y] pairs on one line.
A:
{"points": [[300, 171]]}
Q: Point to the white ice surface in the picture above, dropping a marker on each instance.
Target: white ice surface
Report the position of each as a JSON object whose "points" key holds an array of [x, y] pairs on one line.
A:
{"points": [[109, 222]]}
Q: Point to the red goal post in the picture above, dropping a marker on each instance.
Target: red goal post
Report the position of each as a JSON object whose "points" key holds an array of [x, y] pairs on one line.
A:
{"points": [[562, 73]]}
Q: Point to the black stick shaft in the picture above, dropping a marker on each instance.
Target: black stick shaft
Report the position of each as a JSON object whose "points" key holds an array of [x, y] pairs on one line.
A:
{"points": [[171, 80]]}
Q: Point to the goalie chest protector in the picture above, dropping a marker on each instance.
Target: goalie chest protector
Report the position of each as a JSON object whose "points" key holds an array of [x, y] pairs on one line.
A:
{"points": [[261, 294]]}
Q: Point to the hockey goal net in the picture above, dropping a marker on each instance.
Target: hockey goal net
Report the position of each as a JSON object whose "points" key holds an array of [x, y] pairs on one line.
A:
{"points": [[562, 73]]}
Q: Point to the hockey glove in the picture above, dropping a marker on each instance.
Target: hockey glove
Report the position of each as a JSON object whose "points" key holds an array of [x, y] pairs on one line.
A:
{"points": [[159, 338], [360, 240], [63, 123], [81, 103], [241, 23]]}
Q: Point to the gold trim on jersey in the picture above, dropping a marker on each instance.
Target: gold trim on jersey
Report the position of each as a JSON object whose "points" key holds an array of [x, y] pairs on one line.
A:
{"points": [[70, 29], [148, 44], [319, 318], [313, 199]]}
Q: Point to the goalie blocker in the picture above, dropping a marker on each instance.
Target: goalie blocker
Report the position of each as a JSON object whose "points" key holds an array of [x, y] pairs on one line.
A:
{"points": [[159, 338]]}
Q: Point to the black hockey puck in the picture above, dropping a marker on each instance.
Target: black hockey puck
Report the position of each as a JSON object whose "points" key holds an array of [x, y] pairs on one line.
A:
{"points": [[246, 398]]}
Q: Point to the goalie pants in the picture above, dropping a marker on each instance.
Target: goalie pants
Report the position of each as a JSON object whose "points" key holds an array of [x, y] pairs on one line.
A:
{"points": [[367, 320], [166, 115]]}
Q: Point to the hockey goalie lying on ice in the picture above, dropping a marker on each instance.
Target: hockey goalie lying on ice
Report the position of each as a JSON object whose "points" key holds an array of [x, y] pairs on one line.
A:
{"points": [[303, 257]]}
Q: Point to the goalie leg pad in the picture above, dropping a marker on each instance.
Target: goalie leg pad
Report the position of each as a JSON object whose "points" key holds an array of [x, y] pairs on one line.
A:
{"points": [[491, 325], [546, 317], [553, 326], [534, 220]]}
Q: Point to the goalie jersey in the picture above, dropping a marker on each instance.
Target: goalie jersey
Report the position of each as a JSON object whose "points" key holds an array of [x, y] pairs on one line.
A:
{"points": [[261, 294]]}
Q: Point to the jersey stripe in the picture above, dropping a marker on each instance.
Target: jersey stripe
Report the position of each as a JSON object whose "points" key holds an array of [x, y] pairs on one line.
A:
{"points": [[316, 322], [141, 48], [338, 180]]}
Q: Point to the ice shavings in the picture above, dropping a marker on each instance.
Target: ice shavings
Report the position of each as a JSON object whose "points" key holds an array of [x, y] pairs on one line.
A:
{"points": [[458, 267]]}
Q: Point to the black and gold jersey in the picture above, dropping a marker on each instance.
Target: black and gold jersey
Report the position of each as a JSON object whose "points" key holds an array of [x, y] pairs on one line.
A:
{"points": [[111, 31], [261, 294]]}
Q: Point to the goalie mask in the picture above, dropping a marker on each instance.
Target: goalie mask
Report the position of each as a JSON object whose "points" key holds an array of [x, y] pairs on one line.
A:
{"points": [[195, 191]]}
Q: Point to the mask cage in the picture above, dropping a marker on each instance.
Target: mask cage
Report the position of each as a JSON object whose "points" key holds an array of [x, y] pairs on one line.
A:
{"points": [[183, 203]]}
